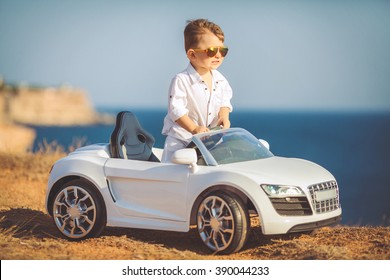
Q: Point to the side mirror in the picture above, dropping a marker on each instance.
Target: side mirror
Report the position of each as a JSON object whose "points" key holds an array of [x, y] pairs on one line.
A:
{"points": [[264, 143], [186, 156]]}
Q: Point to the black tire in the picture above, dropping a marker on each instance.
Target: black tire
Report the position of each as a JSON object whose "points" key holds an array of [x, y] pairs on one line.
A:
{"points": [[78, 210], [223, 222]]}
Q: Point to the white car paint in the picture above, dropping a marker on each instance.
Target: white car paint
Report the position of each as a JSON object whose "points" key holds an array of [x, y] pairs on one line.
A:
{"points": [[153, 195]]}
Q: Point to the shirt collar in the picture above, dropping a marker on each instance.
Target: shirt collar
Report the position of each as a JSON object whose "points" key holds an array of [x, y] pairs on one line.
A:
{"points": [[196, 78]]}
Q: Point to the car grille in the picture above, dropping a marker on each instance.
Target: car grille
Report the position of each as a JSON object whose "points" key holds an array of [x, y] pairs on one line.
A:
{"points": [[292, 206], [320, 202]]}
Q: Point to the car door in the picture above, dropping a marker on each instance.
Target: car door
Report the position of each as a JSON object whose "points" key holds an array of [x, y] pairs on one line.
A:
{"points": [[148, 189]]}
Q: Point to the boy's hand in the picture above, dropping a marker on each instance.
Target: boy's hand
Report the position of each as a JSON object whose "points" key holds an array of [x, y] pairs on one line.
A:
{"points": [[224, 117], [200, 129], [224, 122], [186, 123]]}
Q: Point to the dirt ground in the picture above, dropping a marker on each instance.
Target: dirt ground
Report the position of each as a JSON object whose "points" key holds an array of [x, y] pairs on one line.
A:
{"points": [[27, 232]]}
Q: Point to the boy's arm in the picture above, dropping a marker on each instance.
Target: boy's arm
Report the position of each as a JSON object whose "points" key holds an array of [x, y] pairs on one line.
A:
{"points": [[186, 123], [223, 117]]}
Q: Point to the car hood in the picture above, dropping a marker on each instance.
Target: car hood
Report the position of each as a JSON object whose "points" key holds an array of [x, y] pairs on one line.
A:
{"points": [[280, 170]]}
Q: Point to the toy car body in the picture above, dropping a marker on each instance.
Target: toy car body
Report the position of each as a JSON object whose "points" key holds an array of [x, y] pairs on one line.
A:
{"points": [[214, 183]]}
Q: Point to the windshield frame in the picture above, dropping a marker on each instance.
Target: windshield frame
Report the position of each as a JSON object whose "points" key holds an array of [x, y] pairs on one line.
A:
{"points": [[225, 134]]}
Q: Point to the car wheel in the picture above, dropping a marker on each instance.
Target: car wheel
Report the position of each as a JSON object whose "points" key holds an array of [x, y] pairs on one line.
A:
{"points": [[78, 210], [223, 223]]}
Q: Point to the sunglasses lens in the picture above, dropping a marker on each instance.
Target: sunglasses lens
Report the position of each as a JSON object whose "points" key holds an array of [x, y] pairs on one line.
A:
{"points": [[211, 52], [223, 51]]}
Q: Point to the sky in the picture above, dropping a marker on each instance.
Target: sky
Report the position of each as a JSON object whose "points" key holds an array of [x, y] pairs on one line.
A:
{"points": [[283, 55]]}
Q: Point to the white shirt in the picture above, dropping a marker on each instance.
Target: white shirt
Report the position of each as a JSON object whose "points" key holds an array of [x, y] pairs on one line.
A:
{"points": [[188, 94]]}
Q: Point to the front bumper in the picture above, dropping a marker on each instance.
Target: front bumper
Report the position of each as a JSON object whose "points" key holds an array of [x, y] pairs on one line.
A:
{"points": [[314, 225]]}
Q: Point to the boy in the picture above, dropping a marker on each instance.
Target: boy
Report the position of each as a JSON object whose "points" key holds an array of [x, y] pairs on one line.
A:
{"points": [[199, 97]]}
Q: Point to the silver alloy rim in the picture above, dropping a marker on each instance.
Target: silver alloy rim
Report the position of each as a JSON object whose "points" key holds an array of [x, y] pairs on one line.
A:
{"points": [[74, 212], [215, 223]]}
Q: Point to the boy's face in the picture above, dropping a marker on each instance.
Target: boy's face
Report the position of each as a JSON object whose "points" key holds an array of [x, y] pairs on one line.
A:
{"points": [[201, 62]]}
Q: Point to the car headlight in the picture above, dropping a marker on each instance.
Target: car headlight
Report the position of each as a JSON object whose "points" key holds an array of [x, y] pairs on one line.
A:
{"points": [[282, 191]]}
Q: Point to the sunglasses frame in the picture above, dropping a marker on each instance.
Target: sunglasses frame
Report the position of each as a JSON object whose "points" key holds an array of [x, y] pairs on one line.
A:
{"points": [[210, 49]]}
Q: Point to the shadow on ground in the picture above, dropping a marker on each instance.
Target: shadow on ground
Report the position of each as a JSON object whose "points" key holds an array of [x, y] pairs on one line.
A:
{"points": [[27, 223]]}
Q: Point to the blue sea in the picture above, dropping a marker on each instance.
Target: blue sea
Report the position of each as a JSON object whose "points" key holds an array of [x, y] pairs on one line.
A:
{"points": [[354, 147]]}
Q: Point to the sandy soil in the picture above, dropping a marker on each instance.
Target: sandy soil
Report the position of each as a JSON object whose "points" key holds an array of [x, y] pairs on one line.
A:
{"points": [[27, 232]]}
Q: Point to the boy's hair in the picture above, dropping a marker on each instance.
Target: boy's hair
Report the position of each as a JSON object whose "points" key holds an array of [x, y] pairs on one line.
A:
{"points": [[198, 27]]}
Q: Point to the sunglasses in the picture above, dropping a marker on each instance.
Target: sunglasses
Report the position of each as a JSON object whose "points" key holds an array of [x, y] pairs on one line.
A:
{"points": [[212, 51]]}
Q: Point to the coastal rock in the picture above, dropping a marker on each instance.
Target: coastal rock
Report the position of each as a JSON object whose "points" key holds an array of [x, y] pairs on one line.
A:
{"points": [[15, 139], [41, 106], [63, 106]]}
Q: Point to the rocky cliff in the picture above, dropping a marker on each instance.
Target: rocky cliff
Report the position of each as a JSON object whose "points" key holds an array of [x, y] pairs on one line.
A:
{"points": [[47, 106], [26, 105], [16, 138]]}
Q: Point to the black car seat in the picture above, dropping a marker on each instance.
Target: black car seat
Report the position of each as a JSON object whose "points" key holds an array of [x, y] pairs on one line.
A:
{"points": [[129, 140]]}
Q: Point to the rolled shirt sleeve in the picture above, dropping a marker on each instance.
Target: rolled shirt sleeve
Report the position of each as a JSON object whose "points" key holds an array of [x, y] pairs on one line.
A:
{"points": [[227, 94], [177, 99]]}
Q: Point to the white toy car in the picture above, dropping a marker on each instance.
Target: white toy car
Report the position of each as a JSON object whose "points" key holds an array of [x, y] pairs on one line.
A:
{"points": [[213, 183]]}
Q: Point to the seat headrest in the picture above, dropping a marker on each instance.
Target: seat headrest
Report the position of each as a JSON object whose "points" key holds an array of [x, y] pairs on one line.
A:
{"points": [[129, 139]]}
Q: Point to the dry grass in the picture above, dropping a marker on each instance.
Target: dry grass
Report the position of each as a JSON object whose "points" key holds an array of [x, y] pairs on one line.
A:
{"points": [[27, 232]]}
